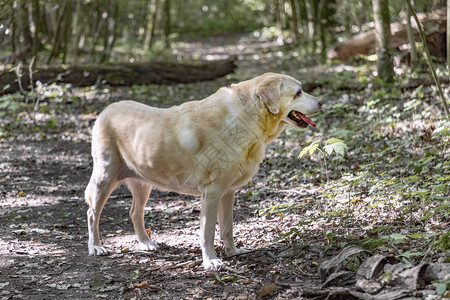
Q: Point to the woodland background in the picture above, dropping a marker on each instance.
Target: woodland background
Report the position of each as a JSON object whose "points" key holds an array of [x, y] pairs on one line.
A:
{"points": [[356, 208]]}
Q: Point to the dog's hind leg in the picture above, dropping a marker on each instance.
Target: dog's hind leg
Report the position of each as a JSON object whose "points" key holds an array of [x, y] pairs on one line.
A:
{"points": [[140, 192], [97, 193]]}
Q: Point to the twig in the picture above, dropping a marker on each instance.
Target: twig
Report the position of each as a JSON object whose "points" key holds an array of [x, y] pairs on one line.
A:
{"points": [[428, 250], [183, 264], [247, 252]]}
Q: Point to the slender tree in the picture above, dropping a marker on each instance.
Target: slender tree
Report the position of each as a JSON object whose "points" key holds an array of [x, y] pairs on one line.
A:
{"points": [[151, 24], [167, 23], [278, 15], [311, 28], [25, 26], [293, 19], [382, 37], [412, 42], [57, 38], [448, 35], [429, 60], [37, 26]]}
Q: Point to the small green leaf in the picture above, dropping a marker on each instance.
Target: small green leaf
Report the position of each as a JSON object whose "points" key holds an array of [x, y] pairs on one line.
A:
{"points": [[311, 149], [337, 147], [441, 288], [411, 254], [416, 236], [396, 238], [334, 140], [97, 284], [51, 123], [134, 275]]}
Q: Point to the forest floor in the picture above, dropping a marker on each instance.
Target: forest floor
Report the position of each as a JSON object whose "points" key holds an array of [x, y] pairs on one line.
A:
{"points": [[387, 193]]}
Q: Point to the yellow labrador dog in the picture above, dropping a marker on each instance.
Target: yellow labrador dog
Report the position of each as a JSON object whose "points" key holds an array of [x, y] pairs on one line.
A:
{"points": [[209, 148]]}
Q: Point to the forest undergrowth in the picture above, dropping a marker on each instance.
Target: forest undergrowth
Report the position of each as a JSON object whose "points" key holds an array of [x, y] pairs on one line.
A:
{"points": [[384, 187]]}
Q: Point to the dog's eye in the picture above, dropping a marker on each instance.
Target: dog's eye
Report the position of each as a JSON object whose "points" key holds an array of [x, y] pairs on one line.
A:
{"points": [[299, 93]]}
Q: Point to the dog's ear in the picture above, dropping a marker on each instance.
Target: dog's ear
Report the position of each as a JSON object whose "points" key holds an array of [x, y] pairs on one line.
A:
{"points": [[269, 91]]}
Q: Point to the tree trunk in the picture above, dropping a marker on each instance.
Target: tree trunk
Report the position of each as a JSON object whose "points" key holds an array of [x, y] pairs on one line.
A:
{"points": [[382, 40], [37, 26], [167, 24], [13, 27], [278, 17], [110, 33], [124, 74], [95, 32], [67, 29], [293, 21], [448, 35], [311, 27], [322, 34], [78, 31], [412, 41], [25, 26], [151, 25], [57, 38]]}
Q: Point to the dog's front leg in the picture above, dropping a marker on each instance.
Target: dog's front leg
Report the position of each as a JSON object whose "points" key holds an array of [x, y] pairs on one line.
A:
{"points": [[208, 217]]}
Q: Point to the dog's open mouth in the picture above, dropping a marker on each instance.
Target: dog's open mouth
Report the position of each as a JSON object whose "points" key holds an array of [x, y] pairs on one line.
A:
{"points": [[300, 119]]}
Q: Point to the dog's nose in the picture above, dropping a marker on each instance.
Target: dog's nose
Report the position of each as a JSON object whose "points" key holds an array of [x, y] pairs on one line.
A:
{"points": [[320, 103]]}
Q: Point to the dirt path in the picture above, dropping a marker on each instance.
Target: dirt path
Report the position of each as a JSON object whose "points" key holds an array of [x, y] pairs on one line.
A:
{"points": [[43, 244]]}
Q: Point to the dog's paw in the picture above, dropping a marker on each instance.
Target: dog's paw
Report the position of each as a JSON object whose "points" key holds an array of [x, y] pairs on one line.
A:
{"points": [[148, 245], [214, 264], [98, 251]]}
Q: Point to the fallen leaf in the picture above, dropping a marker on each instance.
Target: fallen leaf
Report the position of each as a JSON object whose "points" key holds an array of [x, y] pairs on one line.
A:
{"points": [[145, 285], [267, 289], [21, 194]]}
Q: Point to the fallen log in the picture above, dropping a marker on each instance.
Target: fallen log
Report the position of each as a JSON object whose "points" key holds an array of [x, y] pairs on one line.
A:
{"points": [[121, 74], [434, 25], [309, 86]]}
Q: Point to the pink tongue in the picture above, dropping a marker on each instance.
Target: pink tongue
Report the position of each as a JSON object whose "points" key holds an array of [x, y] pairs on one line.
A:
{"points": [[308, 120]]}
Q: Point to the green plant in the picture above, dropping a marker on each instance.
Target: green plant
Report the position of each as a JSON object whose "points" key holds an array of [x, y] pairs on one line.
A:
{"points": [[330, 146]]}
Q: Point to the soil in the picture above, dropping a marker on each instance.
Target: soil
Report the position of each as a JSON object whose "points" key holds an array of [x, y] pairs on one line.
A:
{"points": [[44, 170]]}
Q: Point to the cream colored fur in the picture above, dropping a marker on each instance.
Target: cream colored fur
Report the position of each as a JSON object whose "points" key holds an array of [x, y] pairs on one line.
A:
{"points": [[208, 148]]}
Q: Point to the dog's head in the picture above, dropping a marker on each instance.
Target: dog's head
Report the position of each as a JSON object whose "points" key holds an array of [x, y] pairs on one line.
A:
{"points": [[283, 96]]}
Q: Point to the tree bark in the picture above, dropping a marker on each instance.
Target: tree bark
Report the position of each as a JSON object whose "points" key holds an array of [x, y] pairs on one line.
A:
{"points": [[37, 26], [67, 29], [25, 25], [167, 24], [123, 74], [322, 34], [278, 17], [110, 33], [57, 38], [382, 18], [311, 27], [412, 41], [151, 25], [293, 21], [13, 27], [448, 35]]}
